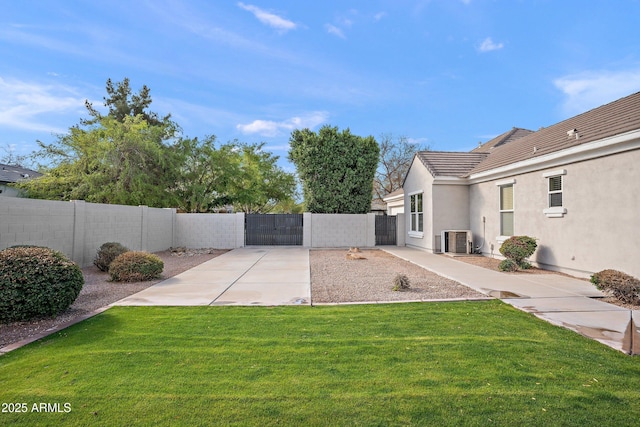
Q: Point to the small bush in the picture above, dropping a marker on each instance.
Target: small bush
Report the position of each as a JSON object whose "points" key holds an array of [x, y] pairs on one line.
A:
{"points": [[622, 286], [36, 282], [401, 282], [135, 266], [107, 253], [508, 265], [518, 248]]}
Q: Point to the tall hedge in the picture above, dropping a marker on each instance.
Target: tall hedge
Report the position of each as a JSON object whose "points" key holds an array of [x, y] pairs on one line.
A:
{"points": [[336, 169]]}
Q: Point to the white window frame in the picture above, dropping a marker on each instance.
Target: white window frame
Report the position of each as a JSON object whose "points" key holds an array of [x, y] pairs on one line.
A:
{"points": [[418, 214], [507, 183], [554, 211]]}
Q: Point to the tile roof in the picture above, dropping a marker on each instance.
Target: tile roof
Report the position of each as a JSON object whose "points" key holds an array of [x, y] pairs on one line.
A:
{"points": [[456, 164], [9, 173], [608, 120], [508, 136]]}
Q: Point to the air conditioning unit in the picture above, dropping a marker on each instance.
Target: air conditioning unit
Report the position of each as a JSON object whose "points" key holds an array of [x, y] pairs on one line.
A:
{"points": [[456, 241]]}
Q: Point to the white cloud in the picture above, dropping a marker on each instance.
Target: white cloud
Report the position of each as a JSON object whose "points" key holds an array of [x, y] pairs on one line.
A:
{"points": [[488, 45], [269, 128], [269, 18], [378, 16], [332, 29], [32, 106], [591, 89]]}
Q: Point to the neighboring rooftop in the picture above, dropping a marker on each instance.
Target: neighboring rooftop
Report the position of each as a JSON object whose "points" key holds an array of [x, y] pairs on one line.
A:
{"points": [[443, 163], [612, 119], [12, 173]]}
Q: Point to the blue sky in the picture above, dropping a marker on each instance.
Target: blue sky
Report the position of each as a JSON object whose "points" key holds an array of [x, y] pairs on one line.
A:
{"points": [[447, 73]]}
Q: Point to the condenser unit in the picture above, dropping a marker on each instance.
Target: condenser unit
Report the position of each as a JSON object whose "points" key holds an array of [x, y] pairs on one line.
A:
{"points": [[456, 241]]}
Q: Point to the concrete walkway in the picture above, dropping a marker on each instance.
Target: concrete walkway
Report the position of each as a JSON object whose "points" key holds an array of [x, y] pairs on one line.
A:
{"points": [[558, 299], [246, 276]]}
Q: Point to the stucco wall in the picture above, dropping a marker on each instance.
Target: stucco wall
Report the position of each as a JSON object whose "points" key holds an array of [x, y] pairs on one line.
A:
{"points": [[342, 230], [450, 208], [36, 222], [221, 231], [78, 229], [600, 229], [419, 179]]}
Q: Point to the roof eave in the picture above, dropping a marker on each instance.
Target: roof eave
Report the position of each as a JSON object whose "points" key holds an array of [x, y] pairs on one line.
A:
{"points": [[604, 147]]}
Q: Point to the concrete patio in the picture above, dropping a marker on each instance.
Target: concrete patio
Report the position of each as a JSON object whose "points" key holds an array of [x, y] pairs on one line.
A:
{"points": [[246, 276]]}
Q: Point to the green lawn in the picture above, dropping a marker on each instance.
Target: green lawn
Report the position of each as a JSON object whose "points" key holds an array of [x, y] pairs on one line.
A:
{"points": [[463, 363]]}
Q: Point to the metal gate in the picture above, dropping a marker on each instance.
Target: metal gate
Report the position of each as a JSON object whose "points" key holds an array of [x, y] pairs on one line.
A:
{"points": [[385, 230], [273, 229]]}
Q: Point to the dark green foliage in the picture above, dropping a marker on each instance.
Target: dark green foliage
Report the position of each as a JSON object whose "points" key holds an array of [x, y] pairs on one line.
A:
{"points": [[518, 248], [336, 169], [624, 287], [36, 282], [107, 253], [135, 266], [508, 265], [401, 282]]}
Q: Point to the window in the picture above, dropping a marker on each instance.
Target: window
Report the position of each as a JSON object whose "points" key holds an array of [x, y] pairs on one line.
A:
{"points": [[506, 210], [555, 185], [555, 191], [416, 213]]}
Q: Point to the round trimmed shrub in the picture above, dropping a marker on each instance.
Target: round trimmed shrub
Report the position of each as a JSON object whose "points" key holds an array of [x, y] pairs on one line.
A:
{"points": [[107, 253], [135, 266], [36, 282], [518, 248]]}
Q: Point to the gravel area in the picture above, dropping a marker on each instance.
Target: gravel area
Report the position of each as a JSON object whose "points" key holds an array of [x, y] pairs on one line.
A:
{"points": [[336, 279], [99, 292]]}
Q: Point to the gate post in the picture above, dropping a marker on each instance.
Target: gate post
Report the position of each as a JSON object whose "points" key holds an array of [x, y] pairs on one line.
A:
{"points": [[371, 230], [306, 229], [239, 229], [400, 230]]}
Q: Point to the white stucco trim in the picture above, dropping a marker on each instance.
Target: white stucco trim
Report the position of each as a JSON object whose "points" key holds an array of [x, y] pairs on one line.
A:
{"points": [[554, 173], [415, 192], [416, 234], [505, 182], [604, 147], [450, 180], [557, 212]]}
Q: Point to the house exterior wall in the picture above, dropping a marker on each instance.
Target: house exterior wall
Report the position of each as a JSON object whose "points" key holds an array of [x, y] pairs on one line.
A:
{"points": [[450, 208], [6, 191], [599, 230], [419, 179]]}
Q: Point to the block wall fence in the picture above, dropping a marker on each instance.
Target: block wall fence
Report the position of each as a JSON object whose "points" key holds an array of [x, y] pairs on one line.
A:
{"points": [[78, 228]]}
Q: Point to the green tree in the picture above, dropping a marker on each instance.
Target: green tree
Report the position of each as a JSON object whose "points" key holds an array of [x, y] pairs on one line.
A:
{"points": [[109, 162], [336, 169], [204, 174], [237, 174], [261, 184], [122, 103]]}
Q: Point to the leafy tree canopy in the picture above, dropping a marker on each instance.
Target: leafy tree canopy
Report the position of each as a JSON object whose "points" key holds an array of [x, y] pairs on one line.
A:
{"points": [[336, 169], [132, 157]]}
